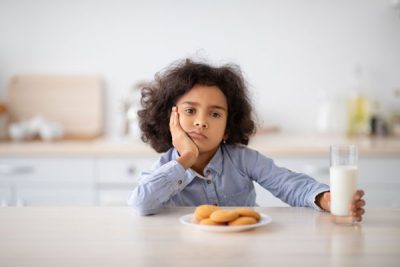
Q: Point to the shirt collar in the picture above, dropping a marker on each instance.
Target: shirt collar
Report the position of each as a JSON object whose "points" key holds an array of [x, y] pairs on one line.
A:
{"points": [[215, 163]]}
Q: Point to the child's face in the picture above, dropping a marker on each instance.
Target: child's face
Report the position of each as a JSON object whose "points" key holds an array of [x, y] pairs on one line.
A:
{"points": [[203, 114]]}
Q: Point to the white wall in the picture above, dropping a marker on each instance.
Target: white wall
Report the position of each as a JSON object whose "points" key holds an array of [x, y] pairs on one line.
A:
{"points": [[290, 51]]}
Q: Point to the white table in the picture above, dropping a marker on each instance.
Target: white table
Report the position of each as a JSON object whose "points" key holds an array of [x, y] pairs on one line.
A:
{"points": [[52, 236]]}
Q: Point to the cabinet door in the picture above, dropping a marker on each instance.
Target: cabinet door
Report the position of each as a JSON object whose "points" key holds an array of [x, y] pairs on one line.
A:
{"points": [[5, 196], [266, 199], [45, 181], [380, 179], [117, 177]]}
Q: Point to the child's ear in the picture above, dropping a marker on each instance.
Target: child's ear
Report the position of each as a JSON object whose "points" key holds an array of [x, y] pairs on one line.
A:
{"points": [[226, 135]]}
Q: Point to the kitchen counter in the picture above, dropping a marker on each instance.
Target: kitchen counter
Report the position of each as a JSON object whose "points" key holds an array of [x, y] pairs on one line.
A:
{"points": [[318, 145], [94, 236], [97, 147], [268, 144]]}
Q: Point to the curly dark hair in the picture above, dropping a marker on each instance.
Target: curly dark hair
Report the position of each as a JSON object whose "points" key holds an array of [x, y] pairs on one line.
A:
{"points": [[160, 95]]}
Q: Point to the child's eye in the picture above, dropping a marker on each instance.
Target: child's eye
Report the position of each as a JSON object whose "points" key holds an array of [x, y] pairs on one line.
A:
{"points": [[215, 115], [189, 110]]}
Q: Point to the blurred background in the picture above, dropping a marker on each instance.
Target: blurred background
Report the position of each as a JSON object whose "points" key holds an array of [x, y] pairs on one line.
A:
{"points": [[319, 72]]}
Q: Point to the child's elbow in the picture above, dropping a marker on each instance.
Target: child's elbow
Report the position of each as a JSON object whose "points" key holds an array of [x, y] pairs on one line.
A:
{"points": [[142, 207]]}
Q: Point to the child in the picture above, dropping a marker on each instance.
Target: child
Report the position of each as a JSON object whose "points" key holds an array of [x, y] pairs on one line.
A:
{"points": [[201, 117]]}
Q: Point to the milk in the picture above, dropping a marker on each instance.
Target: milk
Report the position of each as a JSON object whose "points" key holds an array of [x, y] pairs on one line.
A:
{"points": [[343, 181]]}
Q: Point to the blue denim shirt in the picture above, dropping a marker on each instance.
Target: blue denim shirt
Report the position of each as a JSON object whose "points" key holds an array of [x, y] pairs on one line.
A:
{"points": [[227, 181]]}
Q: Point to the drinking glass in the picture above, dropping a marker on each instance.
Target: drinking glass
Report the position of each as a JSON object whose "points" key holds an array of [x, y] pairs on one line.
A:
{"points": [[343, 181]]}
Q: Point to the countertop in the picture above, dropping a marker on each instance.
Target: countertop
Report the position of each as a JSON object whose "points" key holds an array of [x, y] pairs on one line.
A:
{"points": [[117, 236], [268, 144]]}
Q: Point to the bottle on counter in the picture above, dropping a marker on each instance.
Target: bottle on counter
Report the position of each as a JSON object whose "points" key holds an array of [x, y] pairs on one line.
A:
{"points": [[131, 107], [395, 125], [3, 121], [358, 113], [331, 116], [378, 123], [395, 115], [358, 106]]}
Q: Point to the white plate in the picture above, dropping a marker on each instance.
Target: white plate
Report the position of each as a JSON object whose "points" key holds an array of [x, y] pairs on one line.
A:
{"points": [[188, 219]]}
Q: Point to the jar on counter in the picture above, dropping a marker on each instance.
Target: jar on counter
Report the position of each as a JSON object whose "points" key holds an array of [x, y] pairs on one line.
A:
{"points": [[3, 120], [396, 124]]}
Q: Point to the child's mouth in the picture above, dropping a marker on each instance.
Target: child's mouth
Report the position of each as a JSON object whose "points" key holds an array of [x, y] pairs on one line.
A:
{"points": [[197, 135]]}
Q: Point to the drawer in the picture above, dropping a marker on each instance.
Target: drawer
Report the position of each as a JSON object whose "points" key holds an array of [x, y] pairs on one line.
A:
{"points": [[382, 195], [370, 169], [121, 170], [379, 170], [73, 170], [5, 196]]}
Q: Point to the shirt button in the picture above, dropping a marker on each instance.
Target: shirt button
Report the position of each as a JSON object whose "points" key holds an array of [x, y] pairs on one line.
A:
{"points": [[179, 181], [208, 182]]}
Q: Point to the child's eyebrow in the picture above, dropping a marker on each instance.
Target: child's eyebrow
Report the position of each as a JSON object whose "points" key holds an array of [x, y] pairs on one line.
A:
{"points": [[197, 104]]}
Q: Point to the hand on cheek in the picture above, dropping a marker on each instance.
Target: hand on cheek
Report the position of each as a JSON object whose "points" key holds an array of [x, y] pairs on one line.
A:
{"points": [[187, 149]]}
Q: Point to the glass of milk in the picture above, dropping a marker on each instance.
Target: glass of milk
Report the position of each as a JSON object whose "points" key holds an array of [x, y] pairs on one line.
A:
{"points": [[343, 181]]}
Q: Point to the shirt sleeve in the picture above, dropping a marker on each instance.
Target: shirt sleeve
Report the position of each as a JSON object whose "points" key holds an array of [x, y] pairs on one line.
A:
{"points": [[157, 186], [296, 189]]}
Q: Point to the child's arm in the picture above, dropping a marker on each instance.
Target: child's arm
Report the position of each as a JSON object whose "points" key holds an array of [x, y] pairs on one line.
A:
{"points": [[323, 200], [295, 189], [157, 186], [168, 177]]}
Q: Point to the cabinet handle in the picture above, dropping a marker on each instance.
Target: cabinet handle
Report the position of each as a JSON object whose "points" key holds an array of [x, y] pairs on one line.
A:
{"points": [[131, 170], [13, 170]]}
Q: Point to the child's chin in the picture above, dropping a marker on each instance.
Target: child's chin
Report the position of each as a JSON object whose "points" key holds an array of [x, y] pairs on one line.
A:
{"points": [[205, 149]]}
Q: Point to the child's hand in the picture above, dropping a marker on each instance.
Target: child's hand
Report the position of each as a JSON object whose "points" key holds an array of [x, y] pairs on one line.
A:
{"points": [[187, 149], [356, 206]]}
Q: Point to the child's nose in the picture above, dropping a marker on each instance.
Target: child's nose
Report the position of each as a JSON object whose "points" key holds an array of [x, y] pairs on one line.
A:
{"points": [[201, 122]]}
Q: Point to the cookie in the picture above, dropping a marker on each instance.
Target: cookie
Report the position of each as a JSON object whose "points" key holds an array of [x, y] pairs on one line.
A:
{"points": [[204, 211], [224, 215], [243, 221], [248, 213], [208, 221]]}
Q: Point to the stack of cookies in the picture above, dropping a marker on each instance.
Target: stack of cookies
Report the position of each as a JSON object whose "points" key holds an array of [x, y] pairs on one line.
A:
{"points": [[213, 215]]}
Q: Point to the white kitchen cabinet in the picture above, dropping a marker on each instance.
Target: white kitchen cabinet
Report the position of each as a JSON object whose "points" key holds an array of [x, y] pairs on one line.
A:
{"points": [[108, 180], [47, 181], [5, 196], [69, 181], [379, 177], [117, 176]]}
